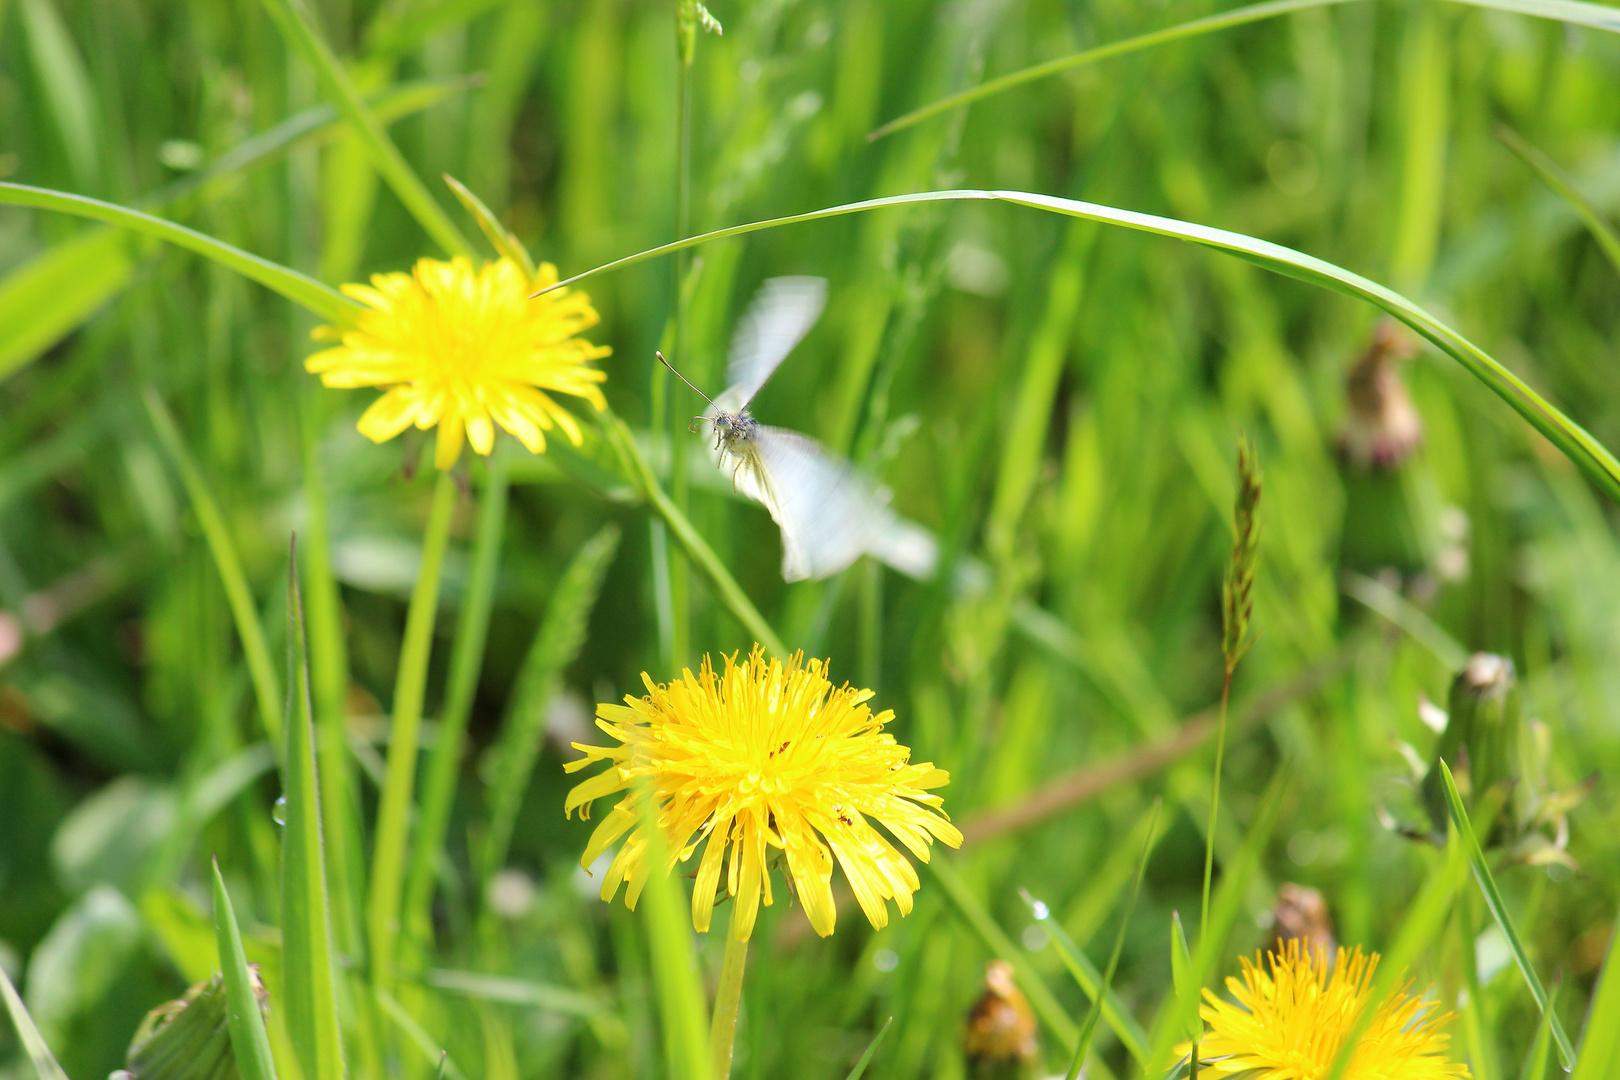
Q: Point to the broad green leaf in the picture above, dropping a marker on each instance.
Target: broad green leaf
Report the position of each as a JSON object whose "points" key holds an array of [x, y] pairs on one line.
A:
{"points": [[1605, 234], [871, 1048], [223, 549], [499, 235], [1499, 912], [249, 1039], [324, 301], [33, 1042], [46, 298], [1580, 447], [556, 644], [302, 38], [307, 969], [80, 960]]}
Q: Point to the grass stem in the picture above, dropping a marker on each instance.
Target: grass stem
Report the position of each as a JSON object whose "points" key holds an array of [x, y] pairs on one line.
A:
{"points": [[723, 1030]]}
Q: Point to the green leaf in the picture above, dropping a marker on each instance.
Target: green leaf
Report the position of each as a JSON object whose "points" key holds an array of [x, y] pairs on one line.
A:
{"points": [[46, 298], [499, 235], [1554, 177], [307, 970], [33, 1042], [1493, 901], [249, 1039], [509, 991], [248, 629], [682, 1004], [1586, 452], [1186, 982], [66, 88], [1600, 1044], [338, 89], [1535, 1064], [1085, 973], [871, 1048], [324, 301]]}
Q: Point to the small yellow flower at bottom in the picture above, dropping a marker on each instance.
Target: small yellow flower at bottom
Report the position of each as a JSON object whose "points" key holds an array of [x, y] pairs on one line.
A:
{"points": [[763, 758], [1289, 1024], [463, 350]]}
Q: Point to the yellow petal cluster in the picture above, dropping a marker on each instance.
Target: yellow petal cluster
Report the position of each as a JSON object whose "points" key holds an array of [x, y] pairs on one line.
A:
{"points": [[465, 349], [1290, 1023], [761, 761]]}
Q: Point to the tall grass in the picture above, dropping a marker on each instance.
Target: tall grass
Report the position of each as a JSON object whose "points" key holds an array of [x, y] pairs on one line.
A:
{"points": [[1055, 399]]}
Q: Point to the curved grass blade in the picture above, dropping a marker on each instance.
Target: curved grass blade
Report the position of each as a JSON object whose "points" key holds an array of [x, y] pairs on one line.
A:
{"points": [[1596, 16], [338, 89], [871, 1048], [249, 1041], [1580, 447], [1493, 900], [33, 1042], [498, 234], [1605, 234], [308, 971], [223, 549], [1085, 973], [1535, 1065], [323, 300], [1088, 1026]]}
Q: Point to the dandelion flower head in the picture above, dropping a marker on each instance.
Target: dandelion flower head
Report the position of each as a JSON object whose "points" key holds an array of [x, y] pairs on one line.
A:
{"points": [[1288, 1024], [465, 349], [760, 762]]}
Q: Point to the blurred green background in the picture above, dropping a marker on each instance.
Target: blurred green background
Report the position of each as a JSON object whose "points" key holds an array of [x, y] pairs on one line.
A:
{"points": [[1058, 401]]}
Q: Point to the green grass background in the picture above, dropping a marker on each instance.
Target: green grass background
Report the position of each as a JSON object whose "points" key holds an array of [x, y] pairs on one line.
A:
{"points": [[1057, 400]]}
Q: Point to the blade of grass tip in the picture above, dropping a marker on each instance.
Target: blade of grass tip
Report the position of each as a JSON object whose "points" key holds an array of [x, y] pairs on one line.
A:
{"points": [[681, 1002], [1407, 617], [1554, 177], [33, 1042], [1088, 1026], [556, 644], [1535, 1065], [250, 1042], [1085, 973], [1600, 1043], [871, 1048], [466, 662], [336, 87], [1185, 981], [307, 970], [640, 473], [979, 919], [321, 299], [498, 234], [1499, 912], [1590, 456], [410, 683], [246, 615]]}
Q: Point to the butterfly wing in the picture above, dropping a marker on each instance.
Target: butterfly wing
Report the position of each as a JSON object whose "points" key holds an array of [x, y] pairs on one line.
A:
{"points": [[781, 313], [830, 513]]}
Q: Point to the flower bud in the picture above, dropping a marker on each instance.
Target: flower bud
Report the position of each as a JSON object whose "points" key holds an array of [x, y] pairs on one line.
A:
{"points": [[1481, 740]]}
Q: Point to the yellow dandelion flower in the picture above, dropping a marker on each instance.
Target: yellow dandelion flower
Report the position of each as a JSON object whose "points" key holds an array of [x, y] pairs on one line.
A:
{"points": [[465, 349], [1289, 1025], [763, 759]]}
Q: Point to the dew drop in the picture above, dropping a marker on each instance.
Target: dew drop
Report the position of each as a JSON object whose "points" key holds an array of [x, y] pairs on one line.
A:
{"points": [[1040, 910], [278, 812]]}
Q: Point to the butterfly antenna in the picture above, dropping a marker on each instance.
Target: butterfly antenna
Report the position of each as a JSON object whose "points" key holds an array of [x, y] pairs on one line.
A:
{"points": [[681, 377]]}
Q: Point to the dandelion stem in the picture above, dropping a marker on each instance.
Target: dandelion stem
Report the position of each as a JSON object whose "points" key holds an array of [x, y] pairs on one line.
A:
{"points": [[393, 816], [723, 1031]]}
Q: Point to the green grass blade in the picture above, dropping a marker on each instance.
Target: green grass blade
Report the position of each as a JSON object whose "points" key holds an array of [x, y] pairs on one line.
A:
{"points": [[1184, 981], [339, 90], [33, 1042], [509, 991], [1600, 1043], [1580, 447], [1605, 234], [1493, 901], [67, 89], [419, 1036], [249, 1039], [682, 1005], [1535, 1065], [323, 300], [1408, 617], [505, 243], [1085, 973], [223, 549], [1088, 1026], [466, 661], [556, 644], [46, 298], [974, 913], [307, 969], [871, 1048]]}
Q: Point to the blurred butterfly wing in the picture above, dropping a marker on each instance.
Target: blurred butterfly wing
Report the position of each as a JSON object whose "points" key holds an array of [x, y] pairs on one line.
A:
{"points": [[782, 312], [829, 512]]}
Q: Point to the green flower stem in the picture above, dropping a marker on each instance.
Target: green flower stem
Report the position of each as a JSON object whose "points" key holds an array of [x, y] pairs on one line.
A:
{"points": [[1214, 809], [393, 816], [723, 1031]]}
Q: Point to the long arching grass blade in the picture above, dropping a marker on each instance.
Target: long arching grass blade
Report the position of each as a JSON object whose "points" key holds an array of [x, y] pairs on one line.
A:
{"points": [[1580, 447], [323, 300], [1605, 234], [39, 1053]]}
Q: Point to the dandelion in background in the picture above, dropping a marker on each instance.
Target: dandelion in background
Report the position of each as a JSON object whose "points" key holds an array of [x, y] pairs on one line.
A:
{"points": [[464, 350], [1290, 1023], [759, 760]]}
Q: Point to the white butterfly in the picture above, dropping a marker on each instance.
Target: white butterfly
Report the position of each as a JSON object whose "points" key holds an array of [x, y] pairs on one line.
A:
{"points": [[830, 513]]}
